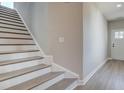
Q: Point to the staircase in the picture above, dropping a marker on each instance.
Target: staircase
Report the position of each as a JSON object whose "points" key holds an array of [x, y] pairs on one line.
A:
{"points": [[22, 65]]}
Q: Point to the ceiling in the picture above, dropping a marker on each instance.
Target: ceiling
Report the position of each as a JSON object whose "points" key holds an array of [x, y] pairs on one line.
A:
{"points": [[110, 11]]}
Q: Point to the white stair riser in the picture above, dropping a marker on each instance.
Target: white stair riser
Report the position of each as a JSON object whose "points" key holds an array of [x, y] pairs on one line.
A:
{"points": [[10, 19], [18, 55], [14, 48], [7, 12], [17, 80], [10, 11], [11, 16], [17, 27], [9, 30], [13, 67], [11, 22], [16, 41], [49, 83], [14, 35], [72, 86]]}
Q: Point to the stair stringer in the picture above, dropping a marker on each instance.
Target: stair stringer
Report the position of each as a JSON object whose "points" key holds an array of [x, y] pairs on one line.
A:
{"points": [[41, 51]]}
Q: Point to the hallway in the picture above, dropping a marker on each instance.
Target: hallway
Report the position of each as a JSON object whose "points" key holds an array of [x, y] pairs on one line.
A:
{"points": [[62, 46], [109, 77]]}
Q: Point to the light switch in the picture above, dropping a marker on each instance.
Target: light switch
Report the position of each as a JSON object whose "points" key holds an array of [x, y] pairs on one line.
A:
{"points": [[61, 39]]}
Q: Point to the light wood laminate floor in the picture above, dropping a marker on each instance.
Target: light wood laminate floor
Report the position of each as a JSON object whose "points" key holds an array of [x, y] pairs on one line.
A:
{"points": [[109, 77]]}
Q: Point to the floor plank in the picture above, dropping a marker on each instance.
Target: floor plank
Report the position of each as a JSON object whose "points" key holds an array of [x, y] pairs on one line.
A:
{"points": [[109, 77]]}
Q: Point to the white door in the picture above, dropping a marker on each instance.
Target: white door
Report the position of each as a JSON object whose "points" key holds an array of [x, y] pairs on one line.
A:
{"points": [[117, 44]]}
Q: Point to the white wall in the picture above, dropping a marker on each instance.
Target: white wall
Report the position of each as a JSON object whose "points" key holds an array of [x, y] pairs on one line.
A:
{"points": [[94, 38]]}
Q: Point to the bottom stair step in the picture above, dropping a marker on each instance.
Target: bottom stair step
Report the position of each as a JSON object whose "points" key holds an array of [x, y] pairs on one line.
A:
{"points": [[35, 82], [20, 72], [63, 84]]}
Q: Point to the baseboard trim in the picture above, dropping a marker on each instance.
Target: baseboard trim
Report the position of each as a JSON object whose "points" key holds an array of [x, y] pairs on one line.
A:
{"points": [[86, 79], [109, 58], [80, 83], [68, 73], [72, 86]]}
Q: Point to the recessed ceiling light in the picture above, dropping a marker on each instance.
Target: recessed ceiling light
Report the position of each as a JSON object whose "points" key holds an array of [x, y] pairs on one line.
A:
{"points": [[119, 5]]}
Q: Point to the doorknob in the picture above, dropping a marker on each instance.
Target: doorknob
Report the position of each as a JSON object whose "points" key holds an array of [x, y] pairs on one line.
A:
{"points": [[113, 45]]}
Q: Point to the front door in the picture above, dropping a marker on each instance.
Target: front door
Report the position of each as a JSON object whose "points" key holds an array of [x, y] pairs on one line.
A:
{"points": [[117, 44]]}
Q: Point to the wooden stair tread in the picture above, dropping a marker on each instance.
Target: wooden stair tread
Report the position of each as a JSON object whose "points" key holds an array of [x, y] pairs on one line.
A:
{"points": [[24, 38], [21, 29], [12, 23], [20, 72], [35, 82], [16, 44], [17, 51], [6, 11], [7, 62], [9, 20], [63, 84], [18, 25], [12, 18], [15, 33], [9, 14]]}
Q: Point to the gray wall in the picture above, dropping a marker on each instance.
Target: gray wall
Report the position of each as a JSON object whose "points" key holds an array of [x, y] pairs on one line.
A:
{"points": [[35, 16], [50, 21], [24, 9], [94, 38], [65, 20], [39, 24]]}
